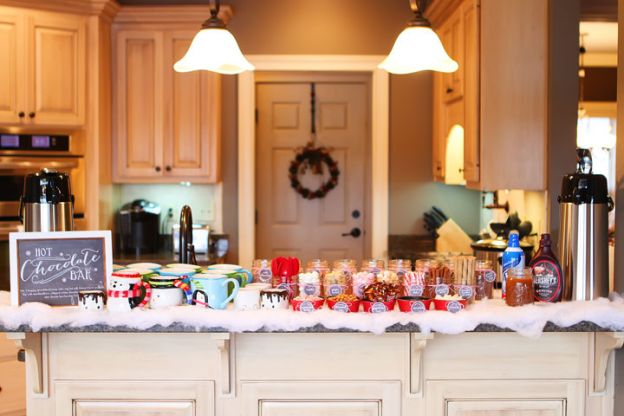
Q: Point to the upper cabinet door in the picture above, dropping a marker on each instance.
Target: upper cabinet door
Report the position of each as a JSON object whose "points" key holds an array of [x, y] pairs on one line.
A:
{"points": [[192, 123], [56, 69], [471, 92], [11, 73], [138, 104]]}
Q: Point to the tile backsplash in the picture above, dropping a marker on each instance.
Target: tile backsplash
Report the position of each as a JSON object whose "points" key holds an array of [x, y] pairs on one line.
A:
{"points": [[204, 200]]}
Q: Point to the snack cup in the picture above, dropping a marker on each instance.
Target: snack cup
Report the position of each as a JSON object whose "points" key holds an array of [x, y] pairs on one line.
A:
{"points": [[414, 304], [377, 307], [341, 306], [306, 305], [450, 305]]}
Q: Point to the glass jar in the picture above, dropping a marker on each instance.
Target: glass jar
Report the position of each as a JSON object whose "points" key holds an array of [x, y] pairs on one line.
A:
{"points": [[372, 265], [429, 267], [485, 277], [341, 280], [361, 280], [441, 279], [400, 266], [261, 271], [519, 287], [310, 283], [319, 266], [464, 279]]}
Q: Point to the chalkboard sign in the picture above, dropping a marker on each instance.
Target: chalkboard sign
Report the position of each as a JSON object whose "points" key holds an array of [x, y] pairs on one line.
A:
{"points": [[52, 267]]}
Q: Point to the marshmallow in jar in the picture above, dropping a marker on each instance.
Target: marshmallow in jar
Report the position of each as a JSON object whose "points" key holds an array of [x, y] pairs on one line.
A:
{"points": [[310, 284]]}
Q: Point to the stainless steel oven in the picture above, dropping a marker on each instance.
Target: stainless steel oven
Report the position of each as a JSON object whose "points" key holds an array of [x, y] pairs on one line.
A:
{"points": [[21, 154]]}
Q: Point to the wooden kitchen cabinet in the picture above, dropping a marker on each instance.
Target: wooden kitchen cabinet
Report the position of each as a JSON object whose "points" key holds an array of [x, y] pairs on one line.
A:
{"points": [[504, 91], [45, 71], [167, 124]]}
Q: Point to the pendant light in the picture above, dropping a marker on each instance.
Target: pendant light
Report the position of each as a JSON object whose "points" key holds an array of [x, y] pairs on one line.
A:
{"points": [[214, 49], [418, 47]]}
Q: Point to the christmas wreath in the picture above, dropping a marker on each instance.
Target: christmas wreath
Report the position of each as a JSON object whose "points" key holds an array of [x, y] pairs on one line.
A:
{"points": [[313, 158]]}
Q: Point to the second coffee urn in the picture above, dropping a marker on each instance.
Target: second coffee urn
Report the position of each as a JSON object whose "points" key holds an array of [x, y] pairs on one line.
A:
{"points": [[584, 205]]}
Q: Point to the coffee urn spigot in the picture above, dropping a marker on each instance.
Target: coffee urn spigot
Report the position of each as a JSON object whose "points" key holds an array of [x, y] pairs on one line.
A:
{"points": [[584, 205]]}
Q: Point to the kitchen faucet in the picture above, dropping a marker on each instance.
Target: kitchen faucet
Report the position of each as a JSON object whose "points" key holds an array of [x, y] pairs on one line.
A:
{"points": [[187, 249]]}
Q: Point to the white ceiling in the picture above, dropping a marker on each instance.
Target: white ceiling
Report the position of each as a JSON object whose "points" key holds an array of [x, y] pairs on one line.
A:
{"points": [[601, 36]]}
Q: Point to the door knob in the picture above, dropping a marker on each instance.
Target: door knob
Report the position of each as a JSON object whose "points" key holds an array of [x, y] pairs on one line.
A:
{"points": [[31, 114], [21, 114], [355, 233]]}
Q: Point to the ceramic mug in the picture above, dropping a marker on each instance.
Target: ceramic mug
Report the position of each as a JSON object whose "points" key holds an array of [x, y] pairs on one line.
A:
{"points": [[211, 290], [150, 266], [241, 277], [92, 300], [248, 298], [274, 298], [126, 290], [229, 268]]}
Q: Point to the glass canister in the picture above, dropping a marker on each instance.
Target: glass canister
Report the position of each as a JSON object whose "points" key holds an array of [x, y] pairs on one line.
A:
{"points": [[361, 280], [340, 280], [464, 281], [429, 267], [441, 279], [519, 287], [372, 265], [261, 271], [310, 283], [319, 266], [485, 277], [400, 266]]}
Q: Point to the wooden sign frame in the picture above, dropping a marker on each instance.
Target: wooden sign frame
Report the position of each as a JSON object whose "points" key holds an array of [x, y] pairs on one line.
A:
{"points": [[15, 263]]}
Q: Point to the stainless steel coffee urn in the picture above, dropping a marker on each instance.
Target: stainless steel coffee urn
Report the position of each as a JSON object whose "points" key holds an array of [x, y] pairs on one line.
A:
{"points": [[584, 204], [47, 203]]}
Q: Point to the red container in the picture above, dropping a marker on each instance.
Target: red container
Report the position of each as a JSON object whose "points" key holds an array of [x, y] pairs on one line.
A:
{"points": [[377, 307], [306, 305], [450, 305], [344, 306], [414, 304]]}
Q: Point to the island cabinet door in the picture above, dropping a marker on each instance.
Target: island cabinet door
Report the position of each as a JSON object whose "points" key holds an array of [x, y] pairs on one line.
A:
{"points": [[192, 122], [321, 398], [505, 398], [138, 398]]}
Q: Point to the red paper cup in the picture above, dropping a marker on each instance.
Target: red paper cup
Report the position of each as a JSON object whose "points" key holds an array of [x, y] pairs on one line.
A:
{"points": [[306, 305], [414, 304], [450, 305], [377, 307], [341, 306]]}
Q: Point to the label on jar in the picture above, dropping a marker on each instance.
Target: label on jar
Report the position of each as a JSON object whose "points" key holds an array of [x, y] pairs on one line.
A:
{"points": [[453, 306], [285, 286], [490, 276], [466, 292], [418, 306], [341, 307], [378, 307], [309, 289], [306, 306], [442, 290], [334, 290], [546, 281], [415, 290], [265, 275]]}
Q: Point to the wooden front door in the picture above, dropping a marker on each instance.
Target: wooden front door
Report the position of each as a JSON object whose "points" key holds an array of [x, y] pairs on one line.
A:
{"points": [[288, 224]]}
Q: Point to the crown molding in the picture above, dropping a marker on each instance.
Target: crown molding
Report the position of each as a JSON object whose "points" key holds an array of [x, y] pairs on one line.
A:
{"points": [[194, 14], [106, 8]]}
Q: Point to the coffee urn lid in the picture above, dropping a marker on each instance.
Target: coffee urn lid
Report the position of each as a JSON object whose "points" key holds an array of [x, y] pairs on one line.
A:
{"points": [[46, 187], [584, 187]]}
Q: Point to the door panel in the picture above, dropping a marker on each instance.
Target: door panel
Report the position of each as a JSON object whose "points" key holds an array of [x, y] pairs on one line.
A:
{"points": [[318, 408], [57, 92], [192, 127], [139, 105], [135, 408], [11, 72], [288, 223], [506, 408]]}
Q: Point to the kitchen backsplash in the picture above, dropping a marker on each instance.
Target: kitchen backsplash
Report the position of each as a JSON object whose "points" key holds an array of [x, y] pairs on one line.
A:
{"points": [[204, 200]]}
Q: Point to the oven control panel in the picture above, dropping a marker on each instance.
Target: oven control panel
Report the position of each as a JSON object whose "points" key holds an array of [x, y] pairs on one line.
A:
{"points": [[34, 142]]}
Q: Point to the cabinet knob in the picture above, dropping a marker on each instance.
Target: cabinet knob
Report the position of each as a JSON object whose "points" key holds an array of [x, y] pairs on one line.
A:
{"points": [[439, 168], [157, 168], [449, 90], [21, 114], [168, 168], [461, 170], [31, 114]]}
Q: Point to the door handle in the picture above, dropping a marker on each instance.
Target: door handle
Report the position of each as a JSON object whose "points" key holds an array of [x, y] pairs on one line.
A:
{"points": [[355, 233]]}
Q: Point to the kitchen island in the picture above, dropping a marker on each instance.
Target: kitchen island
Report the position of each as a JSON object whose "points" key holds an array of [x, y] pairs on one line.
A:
{"points": [[540, 359]]}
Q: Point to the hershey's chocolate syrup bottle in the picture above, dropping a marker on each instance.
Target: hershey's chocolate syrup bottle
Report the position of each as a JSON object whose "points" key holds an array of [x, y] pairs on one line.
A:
{"points": [[547, 274]]}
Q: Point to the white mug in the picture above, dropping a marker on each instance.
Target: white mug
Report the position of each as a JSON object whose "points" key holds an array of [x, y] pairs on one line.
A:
{"points": [[90, 300], [248, 298]]}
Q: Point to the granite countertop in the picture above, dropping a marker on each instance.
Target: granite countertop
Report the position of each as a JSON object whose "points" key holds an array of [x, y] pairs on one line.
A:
{"points": [[486, 316]]}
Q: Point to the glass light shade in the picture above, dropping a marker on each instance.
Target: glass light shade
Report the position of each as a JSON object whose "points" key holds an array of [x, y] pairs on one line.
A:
{"points": [[214, 50], [418, 48]]}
